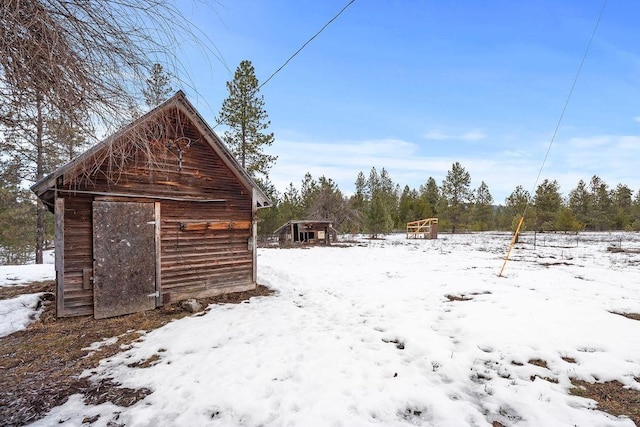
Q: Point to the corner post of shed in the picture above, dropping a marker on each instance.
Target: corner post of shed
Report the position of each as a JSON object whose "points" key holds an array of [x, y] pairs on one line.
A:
{"points": [[59, 253], [158, 243], [253, 239]]}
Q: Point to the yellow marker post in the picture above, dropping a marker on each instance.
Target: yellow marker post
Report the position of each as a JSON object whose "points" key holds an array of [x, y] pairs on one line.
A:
{"points": [[513, 242]]}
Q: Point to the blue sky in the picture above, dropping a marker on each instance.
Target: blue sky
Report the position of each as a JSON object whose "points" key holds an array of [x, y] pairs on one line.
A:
{"points": [[414, 86]]}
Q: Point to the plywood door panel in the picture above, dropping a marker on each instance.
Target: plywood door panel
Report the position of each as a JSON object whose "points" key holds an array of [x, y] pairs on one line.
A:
{"points": [[124, 258]]}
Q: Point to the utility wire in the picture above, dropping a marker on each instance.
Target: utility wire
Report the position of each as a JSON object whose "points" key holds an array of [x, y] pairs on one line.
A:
{"points": [[555, 132], [306, 43], [566, 103]]}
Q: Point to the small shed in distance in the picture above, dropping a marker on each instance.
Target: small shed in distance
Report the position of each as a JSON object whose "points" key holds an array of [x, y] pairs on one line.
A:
{"points": [[423, 229], [310, 232]]}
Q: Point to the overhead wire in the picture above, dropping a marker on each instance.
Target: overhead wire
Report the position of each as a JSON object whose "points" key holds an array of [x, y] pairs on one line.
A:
{"points": [[307, 42], [570, 94], [349, 3], [555, 132]]}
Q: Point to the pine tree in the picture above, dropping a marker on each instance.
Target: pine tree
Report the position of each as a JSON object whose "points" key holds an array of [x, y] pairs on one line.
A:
{"points": [[635, 213], [406, 205], [358, 203], [456, 194], [382, 208], [34, 149], [244, 114], [547, 202], [431, 193], [291, 205], [389, 191], [378, 220], [580, 202], [516, 206], [622, 198], [483, 208], [157, 88], [600, 208], [566, 221], [308, 192], [17, 217]]}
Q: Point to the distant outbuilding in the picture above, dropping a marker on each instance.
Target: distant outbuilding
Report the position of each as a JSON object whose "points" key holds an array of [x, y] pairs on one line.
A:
{"points": [[156, 213], [311, 232]]}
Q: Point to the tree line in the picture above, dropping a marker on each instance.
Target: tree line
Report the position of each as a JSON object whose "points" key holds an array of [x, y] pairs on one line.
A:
{"points": [[379, 205], [68, 68]]}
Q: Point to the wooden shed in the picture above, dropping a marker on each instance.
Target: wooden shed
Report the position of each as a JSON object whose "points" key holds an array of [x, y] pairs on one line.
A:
{"points": [[156, 213], [306, 232]]}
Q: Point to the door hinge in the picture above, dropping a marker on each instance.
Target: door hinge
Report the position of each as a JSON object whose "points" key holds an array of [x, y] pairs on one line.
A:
{"points": [[156, 294]]}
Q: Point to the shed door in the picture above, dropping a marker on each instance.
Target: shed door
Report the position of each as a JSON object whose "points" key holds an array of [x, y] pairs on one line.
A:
{"points": [[124, 258]]}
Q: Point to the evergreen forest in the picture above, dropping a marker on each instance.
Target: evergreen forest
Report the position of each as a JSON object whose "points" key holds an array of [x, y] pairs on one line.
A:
{"points": [[379, 205]]}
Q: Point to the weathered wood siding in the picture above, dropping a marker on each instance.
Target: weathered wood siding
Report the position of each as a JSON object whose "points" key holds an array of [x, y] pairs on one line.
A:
{"points": [[78, 255], [200, 262], [197, 259]]}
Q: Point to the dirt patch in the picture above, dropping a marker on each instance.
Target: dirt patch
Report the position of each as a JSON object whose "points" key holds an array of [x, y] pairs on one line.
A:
{"points": [[538, 362], [7, 292], [632, 316], [612, 398], [41, 365], [549, 264], [465, 297], [617, 250], [457, 298]]}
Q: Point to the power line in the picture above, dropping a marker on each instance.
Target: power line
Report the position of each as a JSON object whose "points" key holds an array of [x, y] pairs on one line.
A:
{"points": [[555, 132], [306, 43], [566, 103]]}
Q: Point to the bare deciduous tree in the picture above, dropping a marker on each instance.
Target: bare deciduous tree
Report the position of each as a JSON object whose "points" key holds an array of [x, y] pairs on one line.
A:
{"points": [[69, 65], [86, 55]]}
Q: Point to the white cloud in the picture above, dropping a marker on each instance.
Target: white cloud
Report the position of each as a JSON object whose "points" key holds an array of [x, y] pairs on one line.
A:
{"points": [[438, 135], [341, 161], [614, 158], [473, 136], [591, 142]]}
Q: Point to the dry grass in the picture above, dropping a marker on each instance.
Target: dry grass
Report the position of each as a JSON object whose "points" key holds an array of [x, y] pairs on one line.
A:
{"points": [[632, 316], [612, 398], [538, 362], [41, 366]]}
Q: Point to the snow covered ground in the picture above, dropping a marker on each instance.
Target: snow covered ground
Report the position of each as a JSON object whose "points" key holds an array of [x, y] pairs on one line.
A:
{"points": [[17, 313], [369, 335]]}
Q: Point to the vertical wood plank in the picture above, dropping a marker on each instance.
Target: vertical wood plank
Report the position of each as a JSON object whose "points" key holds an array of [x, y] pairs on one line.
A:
{"points": [[158, 255], [254, 234], [59, 254]]}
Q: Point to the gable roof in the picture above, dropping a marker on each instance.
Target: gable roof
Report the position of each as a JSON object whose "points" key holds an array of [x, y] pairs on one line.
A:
{"points": [[180, 102]]}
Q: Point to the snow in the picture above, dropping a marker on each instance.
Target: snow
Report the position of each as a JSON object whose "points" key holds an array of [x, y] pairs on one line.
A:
{"points": [[16, 313], [16, 275], [366, 336]]}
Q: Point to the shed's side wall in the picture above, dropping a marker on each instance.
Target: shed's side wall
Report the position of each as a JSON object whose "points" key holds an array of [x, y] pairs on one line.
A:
{"points": [[194, 263], [197, 263], [78, 256]]}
